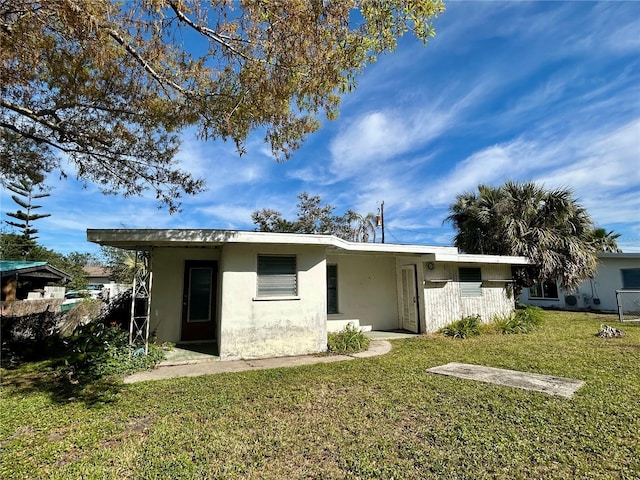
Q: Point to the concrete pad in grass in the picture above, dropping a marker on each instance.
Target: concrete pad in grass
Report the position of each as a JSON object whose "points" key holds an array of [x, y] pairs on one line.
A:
{"points": [[563, 387]]}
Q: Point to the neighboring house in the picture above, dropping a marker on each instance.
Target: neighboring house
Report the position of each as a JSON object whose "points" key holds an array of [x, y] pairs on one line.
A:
{"points": [[96, 275], [98, 279], [261, 294], [616, 271], [18, 277]]}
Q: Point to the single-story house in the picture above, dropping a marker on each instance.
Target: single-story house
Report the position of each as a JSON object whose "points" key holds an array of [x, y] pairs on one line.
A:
{"points": [[257, 294], [616, 271], [96, 274], [18, 277]]}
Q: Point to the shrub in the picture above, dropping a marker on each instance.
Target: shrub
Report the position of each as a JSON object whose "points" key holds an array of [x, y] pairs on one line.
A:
{"points": [[521, 320], [534, 315], [83, 312], [511, 323], [118, 310], [98, 350], [348, 340], [29, 337], [468, 326]]}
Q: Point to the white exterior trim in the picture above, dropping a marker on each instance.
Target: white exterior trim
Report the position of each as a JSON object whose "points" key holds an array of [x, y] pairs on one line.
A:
{"points": [[140, 238]]}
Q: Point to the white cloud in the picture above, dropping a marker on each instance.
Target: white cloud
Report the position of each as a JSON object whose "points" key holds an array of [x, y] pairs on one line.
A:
{"points": [[488, 166], [604, 172], [374, 137], [226, 216], [602, 168]]}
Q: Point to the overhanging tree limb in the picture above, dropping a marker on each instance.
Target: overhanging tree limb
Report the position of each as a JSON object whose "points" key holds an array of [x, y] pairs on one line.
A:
{"points": [[106, 81]]}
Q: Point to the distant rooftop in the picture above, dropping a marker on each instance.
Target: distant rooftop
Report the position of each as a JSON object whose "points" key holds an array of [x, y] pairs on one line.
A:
{"points": [[26, 269], [10, 265], [96, 271]]}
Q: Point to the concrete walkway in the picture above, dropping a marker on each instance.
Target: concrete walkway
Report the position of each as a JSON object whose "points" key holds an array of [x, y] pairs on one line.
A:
{"points": [[560, 386], [213, 365]]}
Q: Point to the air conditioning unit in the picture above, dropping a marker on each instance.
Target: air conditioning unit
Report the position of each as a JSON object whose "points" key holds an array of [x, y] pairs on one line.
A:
{"points": [[577, 300], [571, 300]]}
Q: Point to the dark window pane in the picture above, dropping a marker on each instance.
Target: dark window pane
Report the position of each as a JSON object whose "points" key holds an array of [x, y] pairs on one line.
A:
{"points": [[547, 289], [630, 278], [332, 289], [200, 295], [550, 290]]}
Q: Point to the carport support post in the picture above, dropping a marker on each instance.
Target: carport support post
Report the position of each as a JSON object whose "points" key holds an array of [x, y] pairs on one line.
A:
{"points": [[141, 302]]}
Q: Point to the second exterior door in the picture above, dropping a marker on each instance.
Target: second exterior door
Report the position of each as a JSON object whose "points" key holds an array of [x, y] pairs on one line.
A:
{"points": [[199, 300], [410, 317]]}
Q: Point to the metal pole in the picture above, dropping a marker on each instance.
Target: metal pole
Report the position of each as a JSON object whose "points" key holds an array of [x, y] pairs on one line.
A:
{"points": [[382, 218]]}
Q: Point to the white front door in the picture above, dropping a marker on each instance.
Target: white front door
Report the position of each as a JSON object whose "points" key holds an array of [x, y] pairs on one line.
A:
{"points": [[409, 299]]}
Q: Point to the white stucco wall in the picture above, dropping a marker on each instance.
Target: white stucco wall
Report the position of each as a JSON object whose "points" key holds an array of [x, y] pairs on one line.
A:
{"points": [[248, 327], [443, 303], [607, 280], [256, 328], [603, 286], [168, 282], [367, 290]]}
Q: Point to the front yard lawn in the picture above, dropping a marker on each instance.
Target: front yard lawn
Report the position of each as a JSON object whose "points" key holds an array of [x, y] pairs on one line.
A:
{"points": [[382, 417]]}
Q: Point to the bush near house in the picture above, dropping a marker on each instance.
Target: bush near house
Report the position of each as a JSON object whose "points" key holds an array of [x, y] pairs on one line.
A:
{"points": [[523, 319], [348, 340], [87, 342], [468, 326], [99, 350], [29, 337]]}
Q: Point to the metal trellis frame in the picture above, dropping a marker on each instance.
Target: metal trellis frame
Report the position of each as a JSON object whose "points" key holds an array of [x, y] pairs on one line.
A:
{"points": [[141, 302]]}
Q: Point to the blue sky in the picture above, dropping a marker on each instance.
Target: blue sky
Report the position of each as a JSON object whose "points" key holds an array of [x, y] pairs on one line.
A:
{"points": [[526, 91]]}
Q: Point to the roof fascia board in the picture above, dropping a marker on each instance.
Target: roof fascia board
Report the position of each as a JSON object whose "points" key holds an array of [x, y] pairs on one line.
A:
{"points": [[133, 238], [175, 237], [472, 258], [620, 255]]}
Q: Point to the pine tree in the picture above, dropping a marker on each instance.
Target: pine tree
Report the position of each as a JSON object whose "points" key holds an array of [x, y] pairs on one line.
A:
{"points": [[27, 189]]}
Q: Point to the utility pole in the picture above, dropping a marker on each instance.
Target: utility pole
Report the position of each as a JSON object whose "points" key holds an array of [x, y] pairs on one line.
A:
{"points": [[380, 219]]}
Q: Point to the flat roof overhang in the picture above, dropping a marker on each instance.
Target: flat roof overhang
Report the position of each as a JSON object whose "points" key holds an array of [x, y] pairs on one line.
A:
{"points": [[145, 239]]}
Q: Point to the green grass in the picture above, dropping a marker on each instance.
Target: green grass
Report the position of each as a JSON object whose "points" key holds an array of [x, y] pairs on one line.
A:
{"points": [[382, 417]]}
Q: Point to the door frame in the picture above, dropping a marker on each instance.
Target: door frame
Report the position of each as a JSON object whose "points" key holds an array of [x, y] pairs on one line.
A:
{"points": [[199, 331]]}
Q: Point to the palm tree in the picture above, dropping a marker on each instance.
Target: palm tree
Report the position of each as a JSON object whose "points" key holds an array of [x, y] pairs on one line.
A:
{"points": [[547, 226], [605, 241], [362, 228]]}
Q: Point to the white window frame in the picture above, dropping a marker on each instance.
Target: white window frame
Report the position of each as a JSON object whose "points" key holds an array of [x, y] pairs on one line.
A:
{"points": [[539, 286]]}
